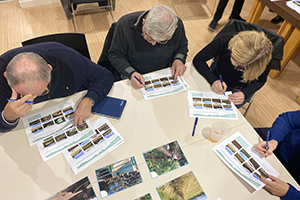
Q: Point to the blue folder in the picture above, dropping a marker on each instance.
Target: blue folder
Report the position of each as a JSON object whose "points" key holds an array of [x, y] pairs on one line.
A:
{"points": [[110, 106]]}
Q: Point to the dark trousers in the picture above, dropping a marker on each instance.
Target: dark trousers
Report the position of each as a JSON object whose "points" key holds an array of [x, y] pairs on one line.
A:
{"points": [[236, 10]]}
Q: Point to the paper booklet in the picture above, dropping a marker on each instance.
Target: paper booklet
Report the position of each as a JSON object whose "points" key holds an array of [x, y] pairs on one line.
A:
{"points": [[240, 156], [161, 84], [211, 105]]}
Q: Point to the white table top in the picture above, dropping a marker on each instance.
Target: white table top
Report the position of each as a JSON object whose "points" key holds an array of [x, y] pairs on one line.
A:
{"points": [[144, 125]]}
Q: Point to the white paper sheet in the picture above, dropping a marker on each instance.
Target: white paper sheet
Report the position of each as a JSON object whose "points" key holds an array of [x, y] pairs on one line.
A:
{"points": [[211, 105], [161, 84], [240, 156], [92, 148], [50, 121], [295, 5]]}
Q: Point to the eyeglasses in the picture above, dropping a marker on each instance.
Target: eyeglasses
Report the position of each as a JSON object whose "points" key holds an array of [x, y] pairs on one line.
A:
{"points": [[239, 67], [150, 39]]}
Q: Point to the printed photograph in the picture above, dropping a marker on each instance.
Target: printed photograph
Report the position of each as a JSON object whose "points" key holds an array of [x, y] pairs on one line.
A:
{"points": [[75, 151], [103, 128], [108, 134], [228, 107], [35, 123], [254, 163], [181, 188], [263, 173], [164, 79], [207, 100], [82, 189], [145, 197], [216, 101], [157, 85], [198, 105], [171, 78], [166, 84], [149, 88], [97, 138], [239, 158], [226, 101], [60, 120], [60, 137], [248, 167], [86, 145], [155, 81], [37, 129], [217, 106], [46, 118], [82, 127], [245, 153], [230, 149], [118, 176], [71, 131], [69, 116], [175, 82], [147, 82], [207, 106], [196, 99], [57, 114], [164, 159], [48, 124], [68, 110], [236, 144], [48, 142]]}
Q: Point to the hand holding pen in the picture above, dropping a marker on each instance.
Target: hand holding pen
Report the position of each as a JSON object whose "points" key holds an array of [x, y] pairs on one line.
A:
{"points": [[219, 87], [17, 108], [137, 80]]}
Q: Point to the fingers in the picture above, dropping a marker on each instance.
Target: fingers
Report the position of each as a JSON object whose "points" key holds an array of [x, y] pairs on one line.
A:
{"points": [[137, 80], [217, 87], [178, 70], [237, 98]]}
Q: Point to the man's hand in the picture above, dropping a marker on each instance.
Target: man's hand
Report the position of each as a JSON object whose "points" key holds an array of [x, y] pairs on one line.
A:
{"points": [[217, 87], [135, 83], [15, 109], [237, 98], [261, 147], [83, 111], [178, 68], [276, 187]]}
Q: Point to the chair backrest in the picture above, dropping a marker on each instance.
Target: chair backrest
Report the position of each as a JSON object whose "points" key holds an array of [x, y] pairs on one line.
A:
{"points": [[104, 60], [235, 26], [75, 41]]}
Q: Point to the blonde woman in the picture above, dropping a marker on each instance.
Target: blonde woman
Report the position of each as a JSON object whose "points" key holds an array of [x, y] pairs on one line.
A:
{"points": [[240, 59]]}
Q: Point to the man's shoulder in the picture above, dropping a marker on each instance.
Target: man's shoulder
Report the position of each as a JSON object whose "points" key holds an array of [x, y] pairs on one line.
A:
{"points": [[131, 17]]}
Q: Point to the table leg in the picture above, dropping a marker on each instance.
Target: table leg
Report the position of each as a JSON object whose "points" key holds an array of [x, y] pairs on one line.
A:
{"points": [[255, 12], [289, 49], [286, 30], [298, 99]]}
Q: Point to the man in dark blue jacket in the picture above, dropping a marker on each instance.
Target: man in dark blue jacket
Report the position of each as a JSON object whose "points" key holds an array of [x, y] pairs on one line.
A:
{"points": [[46, 71]]}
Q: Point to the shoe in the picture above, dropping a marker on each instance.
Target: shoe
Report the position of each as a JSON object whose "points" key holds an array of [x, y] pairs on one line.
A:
{"points": [[277, 20], [237, 18], [212, 25]]}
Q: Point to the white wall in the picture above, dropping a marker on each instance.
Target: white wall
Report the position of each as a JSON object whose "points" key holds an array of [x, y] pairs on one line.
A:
{"points": [[32, 3]]}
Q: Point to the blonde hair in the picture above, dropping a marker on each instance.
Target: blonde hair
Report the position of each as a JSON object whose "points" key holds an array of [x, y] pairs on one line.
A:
{"points": [[253, 50]]}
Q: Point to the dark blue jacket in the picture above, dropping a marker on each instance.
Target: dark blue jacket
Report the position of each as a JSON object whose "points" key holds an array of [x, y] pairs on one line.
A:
{"points": [[71, 73]]}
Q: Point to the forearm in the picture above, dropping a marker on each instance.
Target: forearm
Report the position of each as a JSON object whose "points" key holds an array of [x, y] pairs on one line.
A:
{"points": [[101, 84], [6, 126], [292, 194]]}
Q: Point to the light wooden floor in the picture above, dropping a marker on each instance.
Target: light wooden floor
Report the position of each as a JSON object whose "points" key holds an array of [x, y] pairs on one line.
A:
{"points": [[277, 96]]}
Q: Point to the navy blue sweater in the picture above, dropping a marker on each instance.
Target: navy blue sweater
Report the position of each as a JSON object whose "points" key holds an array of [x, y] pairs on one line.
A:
{"points": [[286, 131], [72, 72]]}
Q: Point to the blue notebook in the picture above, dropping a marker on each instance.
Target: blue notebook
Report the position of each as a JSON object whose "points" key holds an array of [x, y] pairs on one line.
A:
{"points": [[110, 106]]}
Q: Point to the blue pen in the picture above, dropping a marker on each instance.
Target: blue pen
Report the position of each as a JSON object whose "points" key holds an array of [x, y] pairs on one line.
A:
{"points": [[220, 76], [195, 124], [267, 144], [13, 100], [138, 80]]}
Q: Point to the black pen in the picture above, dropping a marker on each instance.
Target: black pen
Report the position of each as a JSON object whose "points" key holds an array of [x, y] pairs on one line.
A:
{"points": [[13, 100]]}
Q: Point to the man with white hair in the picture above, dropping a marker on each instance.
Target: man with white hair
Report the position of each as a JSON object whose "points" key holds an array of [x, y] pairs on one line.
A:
{"points": [[44, 71], [148, 41]]}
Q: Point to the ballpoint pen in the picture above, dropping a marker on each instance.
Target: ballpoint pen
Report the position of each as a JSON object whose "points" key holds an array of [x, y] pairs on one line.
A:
{"points": [[267, 143], [195, 124], [13, 100], [138, 80], [220, 76]]}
